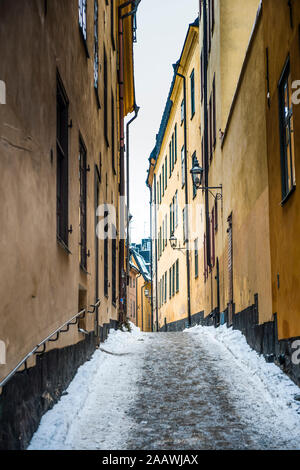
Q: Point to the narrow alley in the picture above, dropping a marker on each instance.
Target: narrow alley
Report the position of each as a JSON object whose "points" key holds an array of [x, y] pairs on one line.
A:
{"points": [[183, 390]]}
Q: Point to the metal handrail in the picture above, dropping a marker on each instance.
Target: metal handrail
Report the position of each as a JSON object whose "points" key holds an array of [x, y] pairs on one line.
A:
{"points": [[57, 332]]}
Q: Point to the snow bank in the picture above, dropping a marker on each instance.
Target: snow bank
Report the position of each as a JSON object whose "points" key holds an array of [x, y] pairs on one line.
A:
{"points": [[276, 387], [56, 423]]}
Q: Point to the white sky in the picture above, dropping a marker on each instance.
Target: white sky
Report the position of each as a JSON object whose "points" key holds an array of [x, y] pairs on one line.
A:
{"points": [[162, 27]]}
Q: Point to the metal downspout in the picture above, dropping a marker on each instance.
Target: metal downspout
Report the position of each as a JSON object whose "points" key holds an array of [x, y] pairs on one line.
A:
{"points": [[206, 156], [122, 274], [136, 111]]}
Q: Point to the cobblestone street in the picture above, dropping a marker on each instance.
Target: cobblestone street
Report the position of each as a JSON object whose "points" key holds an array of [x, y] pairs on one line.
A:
{"points": [[173, 391]]}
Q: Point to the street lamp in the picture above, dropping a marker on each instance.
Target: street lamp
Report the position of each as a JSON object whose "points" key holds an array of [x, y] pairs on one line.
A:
{"points": [[197, 175], [173, 242]]}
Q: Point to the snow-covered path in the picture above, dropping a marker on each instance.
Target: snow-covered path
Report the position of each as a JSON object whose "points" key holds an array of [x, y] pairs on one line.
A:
{"points": [[199, 389]]}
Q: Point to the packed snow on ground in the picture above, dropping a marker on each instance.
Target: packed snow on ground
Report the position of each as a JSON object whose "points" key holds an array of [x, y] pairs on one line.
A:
{"points": [[99, 410], [250, 374], [107, 404]]}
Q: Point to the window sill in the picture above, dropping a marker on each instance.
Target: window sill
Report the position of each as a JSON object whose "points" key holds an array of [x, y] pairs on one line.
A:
{"points": [[83, 269], [63, 245], [84, 43], [288, 195], [97, 97]]}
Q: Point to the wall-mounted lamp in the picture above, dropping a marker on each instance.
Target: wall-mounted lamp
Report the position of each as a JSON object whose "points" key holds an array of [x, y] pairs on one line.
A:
{"points": [[197, 176], [173, 242]]}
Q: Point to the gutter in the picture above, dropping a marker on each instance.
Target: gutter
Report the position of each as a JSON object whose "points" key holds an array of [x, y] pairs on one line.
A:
{"points": [[206, 156]]}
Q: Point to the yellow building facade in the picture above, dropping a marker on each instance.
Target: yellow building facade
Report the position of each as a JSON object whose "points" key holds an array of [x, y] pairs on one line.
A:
{"points": [[169, 179], [238, 261], [61, 144]]}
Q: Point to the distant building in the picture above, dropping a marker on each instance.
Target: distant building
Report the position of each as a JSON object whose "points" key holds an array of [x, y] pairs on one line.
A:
{"points": [[139, 291]]}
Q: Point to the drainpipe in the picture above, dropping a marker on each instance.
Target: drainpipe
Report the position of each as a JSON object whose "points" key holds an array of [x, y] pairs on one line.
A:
{"points": [[206, 156], [122, 274], [136, 299], [156, 260], [142, 306], [151, 265], [186, 199], [136, 111]]}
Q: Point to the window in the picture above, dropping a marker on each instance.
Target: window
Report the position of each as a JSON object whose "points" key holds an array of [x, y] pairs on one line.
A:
{"points": [[214, 125], [173, 279], [176, 209], [212, 16], [163, 235], [82, 204], [194, 159], [105, 80], [96, 48], [105, 264], [184, 225], [192, 81], [209, 25], [177, 276], [205, 259], [210, 148], [170, 160], [113, 148], [183, 166], [160, 188], [212, 242], [286, 133], [182, 111], [166, 230], [170, 283], [175, 143], [112, 23], [171, 220], [202, 75], [62, 172], [82, 17], [173, 152], [113, 270], [166, 285], [216, 214], [196, 259], [166, 172]]}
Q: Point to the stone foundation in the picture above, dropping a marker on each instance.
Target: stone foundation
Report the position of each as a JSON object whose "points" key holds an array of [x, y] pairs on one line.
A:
{"points": [[32, 392], [263, 338]]}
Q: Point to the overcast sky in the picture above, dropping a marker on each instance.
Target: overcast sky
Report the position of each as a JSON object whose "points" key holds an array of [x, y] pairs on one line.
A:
{"points": [[162, 27]]}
